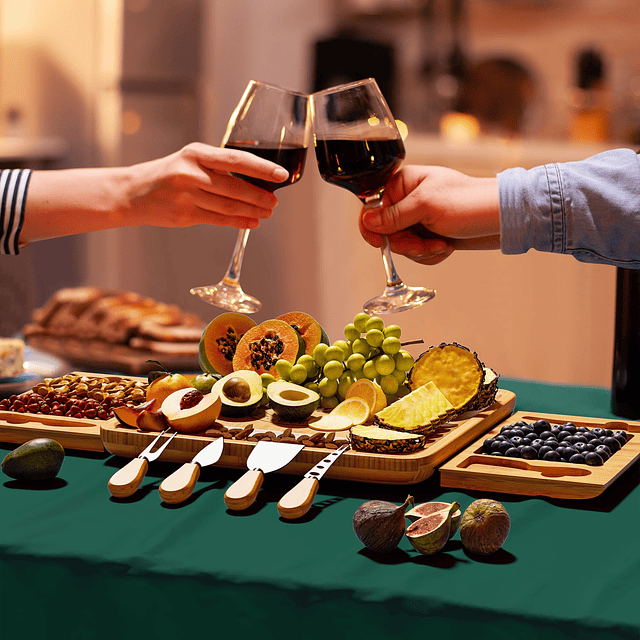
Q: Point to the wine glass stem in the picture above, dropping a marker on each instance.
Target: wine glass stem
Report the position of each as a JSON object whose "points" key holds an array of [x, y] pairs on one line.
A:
{"points": [[393, 279], [233, 272]]}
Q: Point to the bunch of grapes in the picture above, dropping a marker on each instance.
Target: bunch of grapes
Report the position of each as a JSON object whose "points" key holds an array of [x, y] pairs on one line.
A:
{"points": [[370, 350]]}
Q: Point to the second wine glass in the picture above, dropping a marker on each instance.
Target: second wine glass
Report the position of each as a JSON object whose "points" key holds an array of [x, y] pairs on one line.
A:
{"points": [[358, 147], [273, 123]]}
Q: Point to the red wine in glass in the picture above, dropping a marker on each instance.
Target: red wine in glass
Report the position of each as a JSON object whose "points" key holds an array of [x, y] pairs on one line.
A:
{"points": [[360, 166], [290, 156]]}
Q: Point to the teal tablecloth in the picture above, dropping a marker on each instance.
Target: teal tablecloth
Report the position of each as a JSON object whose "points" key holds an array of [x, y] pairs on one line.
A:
{"points": [[75, 562]]}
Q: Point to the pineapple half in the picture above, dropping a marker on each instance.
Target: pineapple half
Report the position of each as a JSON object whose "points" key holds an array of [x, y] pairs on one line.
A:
{"points": [[421, 411], [454, 369], [488, 392]]}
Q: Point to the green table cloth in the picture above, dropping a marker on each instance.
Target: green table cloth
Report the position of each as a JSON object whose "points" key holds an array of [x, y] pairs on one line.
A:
{"points": [[75, 562]]}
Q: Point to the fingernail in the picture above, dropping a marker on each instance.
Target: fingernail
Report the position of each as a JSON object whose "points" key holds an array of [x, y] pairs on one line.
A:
{"points": [[280, 174], [373, 219]]}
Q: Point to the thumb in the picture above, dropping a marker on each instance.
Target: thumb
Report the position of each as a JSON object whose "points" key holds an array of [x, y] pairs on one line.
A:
{"points": [[392, 217]]}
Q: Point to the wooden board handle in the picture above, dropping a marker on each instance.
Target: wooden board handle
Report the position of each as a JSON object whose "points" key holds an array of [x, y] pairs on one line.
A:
{"points": [[243, 492], [125, 482], [180, 484], [295, 503]]}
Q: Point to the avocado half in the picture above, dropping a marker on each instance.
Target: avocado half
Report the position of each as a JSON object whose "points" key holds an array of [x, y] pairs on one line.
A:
{"points": [[240, 392], [292, 402]]}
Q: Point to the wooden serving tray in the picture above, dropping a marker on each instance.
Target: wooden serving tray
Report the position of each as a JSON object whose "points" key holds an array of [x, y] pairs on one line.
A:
{"points": [[471, 469], [72, 433], [352, 465]]}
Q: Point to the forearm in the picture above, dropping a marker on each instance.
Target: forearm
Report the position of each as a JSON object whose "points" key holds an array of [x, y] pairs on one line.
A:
{"points": [[71, 201], [589, 209]]}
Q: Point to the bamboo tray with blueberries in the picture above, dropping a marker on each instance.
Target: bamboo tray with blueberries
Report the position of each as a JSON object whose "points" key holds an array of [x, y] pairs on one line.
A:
{"points": [[550, 455]]}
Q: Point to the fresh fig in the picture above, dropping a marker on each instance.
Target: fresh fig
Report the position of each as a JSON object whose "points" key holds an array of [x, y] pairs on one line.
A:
{"points": [[427, 508], [429, 534], [379, 524], [484, 527]]}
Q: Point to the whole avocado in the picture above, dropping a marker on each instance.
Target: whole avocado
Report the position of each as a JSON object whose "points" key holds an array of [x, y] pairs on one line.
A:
{"points": [[34, 461]]}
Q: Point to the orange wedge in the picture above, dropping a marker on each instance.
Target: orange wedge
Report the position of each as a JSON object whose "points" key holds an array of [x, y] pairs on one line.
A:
{"points": [[371, 393], [354, 408]]}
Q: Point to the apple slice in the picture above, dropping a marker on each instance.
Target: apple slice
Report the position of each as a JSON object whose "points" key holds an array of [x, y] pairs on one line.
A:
{"points": [[128, 415], [190, 411]]}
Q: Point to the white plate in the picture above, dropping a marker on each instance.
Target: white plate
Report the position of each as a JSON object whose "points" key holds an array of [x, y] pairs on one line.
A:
{"points": [[37, 367]]}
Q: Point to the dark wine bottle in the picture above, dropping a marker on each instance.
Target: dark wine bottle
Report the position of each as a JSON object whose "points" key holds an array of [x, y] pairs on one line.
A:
{"points": [[625, 388]]}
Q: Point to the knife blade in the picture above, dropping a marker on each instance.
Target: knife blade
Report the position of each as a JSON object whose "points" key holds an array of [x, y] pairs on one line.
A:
{"points": [[296, 502], [265, 457], [180, 484], [126, 481]]}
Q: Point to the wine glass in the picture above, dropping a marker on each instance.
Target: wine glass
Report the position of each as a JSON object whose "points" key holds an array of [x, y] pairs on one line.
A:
{"points": [[273, 123], [358, 147]]}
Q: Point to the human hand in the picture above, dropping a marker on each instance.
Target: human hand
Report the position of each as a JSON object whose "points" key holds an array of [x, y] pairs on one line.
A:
{"points": [[428, 212], [195, 186]]}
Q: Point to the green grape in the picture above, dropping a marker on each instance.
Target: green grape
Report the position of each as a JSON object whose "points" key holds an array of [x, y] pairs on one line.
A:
{"points": [[334, 353], [374, 323], [314, 386], [400, 376], [361, 346], [319, 354], [360, 321], [404, 360], [306, 361], [283, 368], [392, 331], [359, 374], [267, 379], [327, 388], [384, 364], [374, 337], [345, 346], [391, 345], [389, 385], [344, 383], [298, 374], [369, 370], [351, 333], [333, 369], [330, 402], [356, 361]]}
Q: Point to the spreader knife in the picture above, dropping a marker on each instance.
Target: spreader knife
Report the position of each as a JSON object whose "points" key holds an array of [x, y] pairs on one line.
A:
{"points": [[297, 502]]}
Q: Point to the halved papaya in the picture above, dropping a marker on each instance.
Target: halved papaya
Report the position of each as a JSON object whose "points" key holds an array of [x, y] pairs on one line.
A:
{"points": [[263, 345], [308, 327], [220, 340]]}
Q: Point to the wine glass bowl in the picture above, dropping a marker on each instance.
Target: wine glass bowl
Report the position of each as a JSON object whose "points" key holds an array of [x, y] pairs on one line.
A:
{"points": [[358, 147], [272, 123]]}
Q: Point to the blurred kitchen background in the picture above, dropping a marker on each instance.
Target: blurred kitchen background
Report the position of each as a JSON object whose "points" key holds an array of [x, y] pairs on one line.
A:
{"points": [[481, 84]]}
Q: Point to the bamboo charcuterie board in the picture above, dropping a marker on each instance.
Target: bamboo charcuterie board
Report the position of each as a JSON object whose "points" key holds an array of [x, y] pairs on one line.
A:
{"points": [[472, 469], [82, 434], [352, 465]]}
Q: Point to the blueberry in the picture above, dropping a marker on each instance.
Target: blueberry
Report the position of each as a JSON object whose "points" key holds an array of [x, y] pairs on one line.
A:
{"points": [[527, 441], [513, 452], [612, 443], [545, 435], [529, 453], [570, 427], [604, 452], [608, 433], [540, 425], [568, 452], [620, 436], [501, 438], [589, 447], [507, 427], [496, 453], [589, 436], [582, 429], [563, 434], [593, 459], [580, 447], [517, 432], [507, 434], [517, 441], [542, 451], [526, 429], [552, 442], [577, 458], [495, 447], [537, 443], [504, 447], [487, 444], [576, 439], [598, 432], [553, 456], [597, 442]]}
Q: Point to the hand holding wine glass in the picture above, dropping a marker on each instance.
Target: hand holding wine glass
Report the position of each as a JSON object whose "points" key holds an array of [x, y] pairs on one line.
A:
{"points": [[273, 123], [358, 147]]}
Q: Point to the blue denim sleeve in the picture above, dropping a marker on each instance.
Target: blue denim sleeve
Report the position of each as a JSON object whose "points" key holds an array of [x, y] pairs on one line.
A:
{"points": [[589, 209]]}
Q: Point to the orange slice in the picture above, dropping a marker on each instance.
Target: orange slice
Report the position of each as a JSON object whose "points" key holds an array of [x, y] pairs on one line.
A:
{"points": [[371, 393], [354, 408], [332, 423]]}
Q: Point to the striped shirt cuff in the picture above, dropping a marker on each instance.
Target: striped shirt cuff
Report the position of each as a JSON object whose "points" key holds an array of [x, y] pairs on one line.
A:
{"points": [[13, 195]]}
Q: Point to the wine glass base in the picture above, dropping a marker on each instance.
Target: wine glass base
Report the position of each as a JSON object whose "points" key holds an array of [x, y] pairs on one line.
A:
{"points": [[228, 296], [398, 298]]}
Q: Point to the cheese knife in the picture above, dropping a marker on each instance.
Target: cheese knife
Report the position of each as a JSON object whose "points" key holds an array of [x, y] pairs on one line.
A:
{"points": [[180, 484], [295, 503], [265, 457], [126, 481]]}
